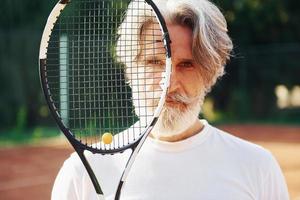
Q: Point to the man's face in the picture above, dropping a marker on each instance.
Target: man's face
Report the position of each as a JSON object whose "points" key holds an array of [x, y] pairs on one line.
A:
{"points": [[186, 90]]}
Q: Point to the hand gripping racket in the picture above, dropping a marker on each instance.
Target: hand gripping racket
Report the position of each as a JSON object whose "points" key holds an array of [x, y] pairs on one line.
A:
{"points": [[105, 68]]}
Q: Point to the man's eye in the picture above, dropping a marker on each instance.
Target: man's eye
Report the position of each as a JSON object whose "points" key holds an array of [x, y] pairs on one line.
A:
{"points": [[155, 62], [186, 65]]}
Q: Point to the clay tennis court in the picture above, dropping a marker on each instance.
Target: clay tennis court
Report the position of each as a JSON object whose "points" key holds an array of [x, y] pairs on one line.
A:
{"points": [[28, 172]]}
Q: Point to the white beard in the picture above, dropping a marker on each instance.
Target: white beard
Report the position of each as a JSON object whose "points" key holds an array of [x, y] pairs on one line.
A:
{"points": [[173, 121]]}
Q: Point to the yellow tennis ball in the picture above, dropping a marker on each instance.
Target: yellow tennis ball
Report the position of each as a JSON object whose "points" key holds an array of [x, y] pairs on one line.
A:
{"points": [[107, 138]]}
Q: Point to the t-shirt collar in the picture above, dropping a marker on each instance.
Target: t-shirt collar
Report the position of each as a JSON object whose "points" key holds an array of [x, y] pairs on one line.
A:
{"points": [[182, 145]]}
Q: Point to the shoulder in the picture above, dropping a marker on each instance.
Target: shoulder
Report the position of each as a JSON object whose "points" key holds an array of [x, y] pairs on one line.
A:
{"points": [[255, 163], [72, 166], [73, 182], [241, 148], [74, 177], [74, 163], [66, 185]]}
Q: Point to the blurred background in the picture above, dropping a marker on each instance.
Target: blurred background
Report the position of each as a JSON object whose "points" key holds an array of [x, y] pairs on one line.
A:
{"points": [[258, 97]]}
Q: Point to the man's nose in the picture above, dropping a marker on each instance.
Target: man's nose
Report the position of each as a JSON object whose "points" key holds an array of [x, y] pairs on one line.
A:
{"points": [[174, 80]]}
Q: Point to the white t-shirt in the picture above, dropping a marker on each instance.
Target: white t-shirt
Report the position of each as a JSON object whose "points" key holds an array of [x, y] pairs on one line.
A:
{"points": [[211, 165]]}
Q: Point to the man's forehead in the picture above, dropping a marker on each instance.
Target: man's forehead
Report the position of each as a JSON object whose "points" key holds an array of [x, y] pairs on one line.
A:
{"points": [[153, 38], [181, 45], [154, 31]]}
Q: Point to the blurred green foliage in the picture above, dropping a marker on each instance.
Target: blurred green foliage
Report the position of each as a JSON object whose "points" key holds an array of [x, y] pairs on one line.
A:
{"points": [[266, 35], [266, 53], [21, 26], [262, 21], [28, 136]]}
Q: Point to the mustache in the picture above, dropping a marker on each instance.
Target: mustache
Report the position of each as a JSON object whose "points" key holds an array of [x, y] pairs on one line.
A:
{"points": [[175, 97], [181, 98]]}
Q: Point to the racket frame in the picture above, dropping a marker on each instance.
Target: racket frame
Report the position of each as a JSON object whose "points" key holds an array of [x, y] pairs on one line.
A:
{"points": [[77, 145]]}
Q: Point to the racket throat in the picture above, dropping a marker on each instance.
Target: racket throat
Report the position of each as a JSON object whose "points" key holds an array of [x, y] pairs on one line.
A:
{"points": [[89, 171], [118, 193]]}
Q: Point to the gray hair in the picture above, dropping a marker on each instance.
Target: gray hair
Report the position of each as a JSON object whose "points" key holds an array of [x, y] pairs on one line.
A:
{"points": [[211, 45]]}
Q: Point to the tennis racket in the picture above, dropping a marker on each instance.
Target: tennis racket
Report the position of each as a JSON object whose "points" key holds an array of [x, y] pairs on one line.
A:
{"points": [[105, 68]]}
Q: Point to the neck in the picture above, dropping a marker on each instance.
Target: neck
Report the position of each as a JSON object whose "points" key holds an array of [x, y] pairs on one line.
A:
{"points": [[191, 131]]}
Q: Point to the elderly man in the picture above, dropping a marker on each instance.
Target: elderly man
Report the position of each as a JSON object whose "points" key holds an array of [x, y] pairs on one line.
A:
{"points": [[184, 157]]}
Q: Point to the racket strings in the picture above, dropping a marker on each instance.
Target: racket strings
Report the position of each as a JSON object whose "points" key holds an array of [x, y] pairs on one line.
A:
{"points": [[101, 73]]}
